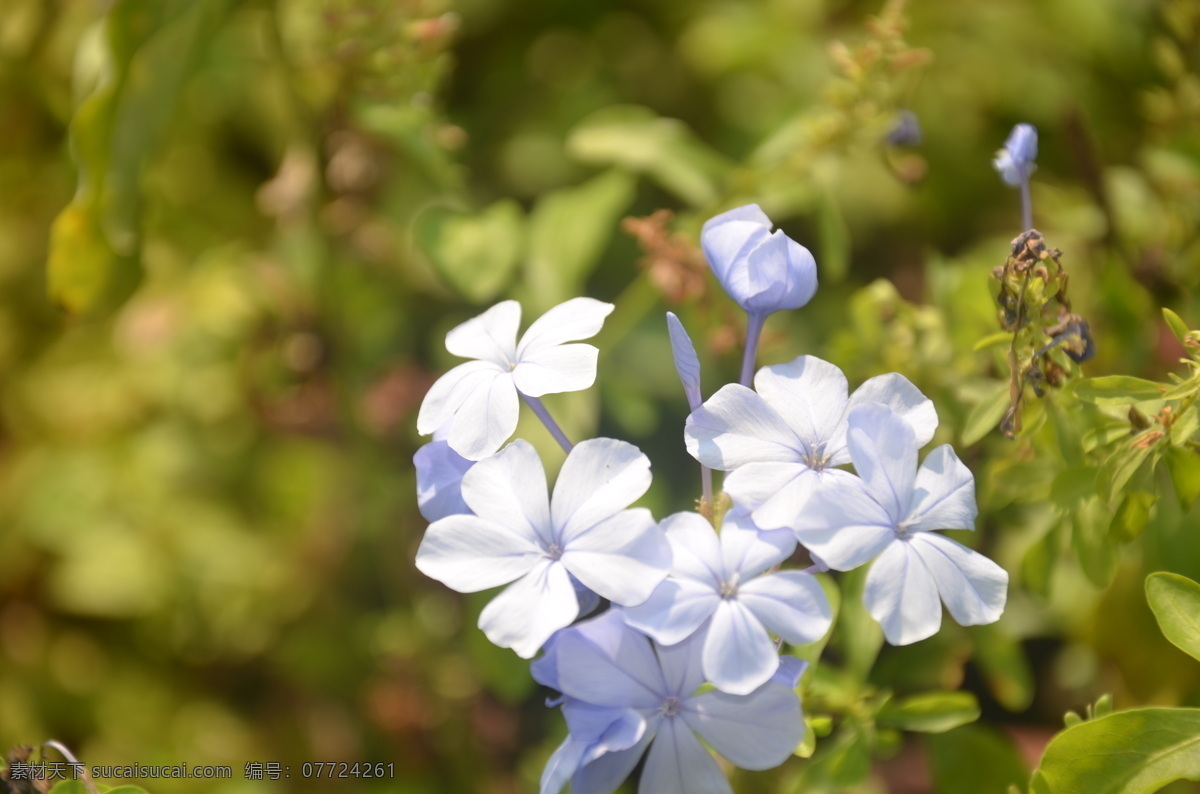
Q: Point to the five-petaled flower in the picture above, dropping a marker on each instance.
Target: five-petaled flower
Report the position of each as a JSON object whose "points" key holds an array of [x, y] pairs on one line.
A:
{"points": [[887, 514], [480, 398], [544, 545]]}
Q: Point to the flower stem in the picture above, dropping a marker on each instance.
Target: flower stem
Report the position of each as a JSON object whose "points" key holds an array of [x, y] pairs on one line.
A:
{"points": [[753, 332], [706, 483], [548, 421], [1026, 203]]}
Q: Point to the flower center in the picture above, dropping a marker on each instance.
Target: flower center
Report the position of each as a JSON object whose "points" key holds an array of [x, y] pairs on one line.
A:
{"points": [[670, 706], [904, 529], [816, 459], [554, 551], [729, 587]]}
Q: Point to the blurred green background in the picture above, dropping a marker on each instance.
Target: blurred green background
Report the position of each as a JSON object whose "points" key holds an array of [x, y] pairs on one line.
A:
{"points": [[234, 234]]}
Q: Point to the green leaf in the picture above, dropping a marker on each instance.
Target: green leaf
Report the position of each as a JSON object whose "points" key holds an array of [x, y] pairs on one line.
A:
{"points": [[1175, 601], [930, 712], [986, 415], [569, 230], [834, 236], [1120, 466], [1117, 390], [638, 139], [1089, 539], [1038, 563], [860, 636], [1186, 425], [1005, 667], [477, 254], [1184, 466], [974, 759], [998, 339], [1129, 752], [1132, 516], [1176, 324]]}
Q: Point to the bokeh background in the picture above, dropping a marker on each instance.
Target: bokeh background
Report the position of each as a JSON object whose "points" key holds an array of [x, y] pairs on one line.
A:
{"points": [[234, 234]]}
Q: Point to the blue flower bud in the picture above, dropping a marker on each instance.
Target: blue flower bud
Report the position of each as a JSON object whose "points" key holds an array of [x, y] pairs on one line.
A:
{"points": [[1015, 161]]}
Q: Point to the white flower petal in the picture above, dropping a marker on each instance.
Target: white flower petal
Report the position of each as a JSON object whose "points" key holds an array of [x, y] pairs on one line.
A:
{"points": [[439, 480], [729, 238], [943, 494], [679, 764], [623, 558], [779, 274], [554, 370], [739, 655], [528, 611], [735, 427], [676, 609], [898, 393], [884, 450], [810, 395], [902, 596], [973, 587], [748, 551], [790, 604], [450, 391], [578, 318], [775, 493], [468, 554], [844, 526], [687, 363], [695, 548], [600, 477], [486, 418], [509, 489], [757, 731], [492, 336]]}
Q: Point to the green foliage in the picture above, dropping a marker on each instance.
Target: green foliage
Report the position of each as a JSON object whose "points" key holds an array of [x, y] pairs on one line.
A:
{"points": [[1175, 601], [930, 712]]}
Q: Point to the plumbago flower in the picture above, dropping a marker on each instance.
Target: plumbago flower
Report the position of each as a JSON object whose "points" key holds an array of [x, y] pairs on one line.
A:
{"points": [[479, 398], [763, 271], [1015, 162], [439, 478], [721, 588], [625, 693], [782, 441], [544, 545], [888, 513]]}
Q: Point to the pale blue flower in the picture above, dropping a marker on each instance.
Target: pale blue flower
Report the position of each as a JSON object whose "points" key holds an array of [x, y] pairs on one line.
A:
{"points": [[1015, 161], [723, 588], [888, 513], [783, 441], [764, 272], [519, 534], [644, 695], [479, 399], [687, 363], [439, 478]]}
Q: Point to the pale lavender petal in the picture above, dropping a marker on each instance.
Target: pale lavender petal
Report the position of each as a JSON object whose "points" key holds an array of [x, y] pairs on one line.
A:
{"points": [[528, 611], [607, 663], [553, 370], [747, 550], [735, 427], [681, 666], [902, 596], [468, 554], [604, 728], [790, 604], [679, 764], [486, 418], [687, 363], [789, 672], [810, 395], [728, 239], [623, 558], [695, 548], [578, 318], [607, 772], [674, 611], [439, 480], [564, 762], [943, 494], [450, 391], [973, 587], [492, 336], [884, 449], [898, 393], [600, 477], [779, 274], [739, 655], [844, 526], [509, 489], [756, 731]]}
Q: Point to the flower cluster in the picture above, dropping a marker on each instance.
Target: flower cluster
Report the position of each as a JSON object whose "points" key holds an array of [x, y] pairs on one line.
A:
{"points": [[663, 637]]}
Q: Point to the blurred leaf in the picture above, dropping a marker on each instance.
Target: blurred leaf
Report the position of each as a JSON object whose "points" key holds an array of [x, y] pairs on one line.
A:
{"points": [[1175, 601], [1186, 424], [1038, 563], [148, 51], [1117, 390], [930, 712], [1130, 752], [1184, 467], [640, 140], [850, 761], [476, 254], [998, 339], [1089, 539], [569, 230], [834, 235], [1073, 485], [1132, 515], [860, 636], [986, 415], [974, 759], [1005, 667], [1176, 324], [1119, 467]]}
